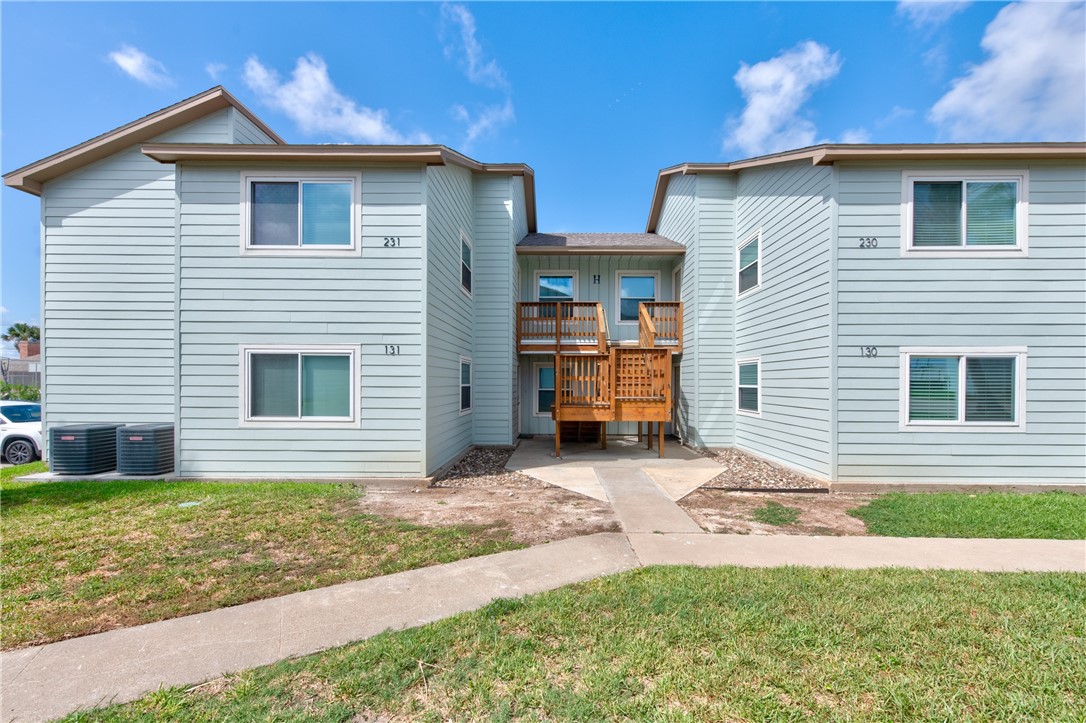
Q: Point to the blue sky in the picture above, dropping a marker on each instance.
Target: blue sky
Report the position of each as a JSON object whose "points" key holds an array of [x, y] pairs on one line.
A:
{"points": [[596, 97]]}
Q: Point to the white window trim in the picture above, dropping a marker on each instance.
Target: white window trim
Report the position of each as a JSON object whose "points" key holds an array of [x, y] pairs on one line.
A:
{"points": [[1020, 176], [555, 272], [618, 292], [677, 283], [757, 235], [460, 384], [245, 351], [355, 179], [1019, 352], [460, 266], [742, 362], [536, 411]]}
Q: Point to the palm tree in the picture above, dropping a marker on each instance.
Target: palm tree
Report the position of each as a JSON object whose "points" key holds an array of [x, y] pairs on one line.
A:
{"points": [[22, 332]]}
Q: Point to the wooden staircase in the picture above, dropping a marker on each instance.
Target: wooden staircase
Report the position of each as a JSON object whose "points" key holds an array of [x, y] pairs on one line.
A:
{"points": [[598, 381]]}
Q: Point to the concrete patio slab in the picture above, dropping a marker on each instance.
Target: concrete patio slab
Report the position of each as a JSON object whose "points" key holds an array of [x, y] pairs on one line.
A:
{"points": [[678, 482], [53, 680], [641, 506], [678, 474], [862, 552]]}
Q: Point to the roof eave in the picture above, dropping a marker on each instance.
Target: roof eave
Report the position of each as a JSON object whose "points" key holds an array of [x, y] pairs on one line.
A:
{"points": [[30, 177], [598, 251]]}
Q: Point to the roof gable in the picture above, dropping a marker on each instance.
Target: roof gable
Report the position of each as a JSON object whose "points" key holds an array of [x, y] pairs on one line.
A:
{"points": [[29, 178]]}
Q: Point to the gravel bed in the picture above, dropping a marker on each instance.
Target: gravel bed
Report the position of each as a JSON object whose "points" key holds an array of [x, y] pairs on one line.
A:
{"points": [[742, 470], [485, 467]]}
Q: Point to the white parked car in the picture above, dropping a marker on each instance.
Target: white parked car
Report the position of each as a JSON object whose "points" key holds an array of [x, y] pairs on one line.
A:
{"points": [[20, 431]]}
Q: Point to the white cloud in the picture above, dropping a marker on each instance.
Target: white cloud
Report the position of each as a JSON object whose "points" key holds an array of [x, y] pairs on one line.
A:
{"points": [[926, 14], [141, 66], [215, 69], [1033, 84], [896, 113], [775, 91], [486, 122], [472, 58], [856, 135], [312, 101]]}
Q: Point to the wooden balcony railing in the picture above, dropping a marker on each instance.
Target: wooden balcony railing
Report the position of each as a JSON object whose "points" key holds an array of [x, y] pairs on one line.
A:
{"points": [[585, 382], [642, 375], [558, 326], [660, 323]]}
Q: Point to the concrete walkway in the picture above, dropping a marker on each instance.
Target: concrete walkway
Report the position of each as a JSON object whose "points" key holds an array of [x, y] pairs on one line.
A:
{"points": [[53, 680], [641, 506]]}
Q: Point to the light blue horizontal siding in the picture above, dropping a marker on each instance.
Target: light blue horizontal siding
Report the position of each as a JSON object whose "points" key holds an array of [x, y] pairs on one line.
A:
{"points": [[245, 131], [786, 322], [888, 301], [371, 300], [108, 285], [449, 326]]}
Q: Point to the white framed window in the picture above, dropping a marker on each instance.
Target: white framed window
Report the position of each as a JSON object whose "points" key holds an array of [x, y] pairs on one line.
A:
{"points": [[465, 385], [748, 386], [958, 214], [555, 285], [299, 385], [748, 265], [465, 264], [633, 288], [307, 213], [544, 389], [957, 389]]}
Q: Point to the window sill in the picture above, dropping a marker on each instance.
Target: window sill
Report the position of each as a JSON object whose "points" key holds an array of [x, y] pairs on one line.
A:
{"points": [[295, 251], [944, 428], [298, 424], [748, 413], [962, 253]]}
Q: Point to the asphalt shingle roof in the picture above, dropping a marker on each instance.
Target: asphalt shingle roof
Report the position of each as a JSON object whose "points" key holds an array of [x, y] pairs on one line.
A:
{"points": [[632, 242]]}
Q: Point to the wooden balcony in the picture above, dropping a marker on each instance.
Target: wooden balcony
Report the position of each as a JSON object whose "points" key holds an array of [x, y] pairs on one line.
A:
{"points": [[660, 324], [551, 327], [580, 327]]}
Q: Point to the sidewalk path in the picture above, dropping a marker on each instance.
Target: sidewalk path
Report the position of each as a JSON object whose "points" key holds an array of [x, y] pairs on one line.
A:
{"points": [[56, 679], [640, 505], [53, 680]]}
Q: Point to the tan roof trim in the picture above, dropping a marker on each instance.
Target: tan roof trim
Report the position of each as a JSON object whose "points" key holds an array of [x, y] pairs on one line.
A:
{"points": [[431, 155], [30, 178], [598, 251], [828, 154]]}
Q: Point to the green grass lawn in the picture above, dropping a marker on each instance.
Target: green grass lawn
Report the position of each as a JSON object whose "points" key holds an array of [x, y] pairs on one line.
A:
{"points": [[1053, 515], [83, 557], [686, 644], [774, 513]]}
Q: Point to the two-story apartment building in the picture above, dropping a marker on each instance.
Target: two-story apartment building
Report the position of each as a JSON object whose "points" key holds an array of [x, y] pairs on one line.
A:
{"points": [[860, 313]]}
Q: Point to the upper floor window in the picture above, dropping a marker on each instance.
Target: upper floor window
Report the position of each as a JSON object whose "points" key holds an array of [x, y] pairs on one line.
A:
{"points": [[634, 289], [300, 213], [749, 264], [551, 286], [965, 214], [979, 387], [465, 263]]}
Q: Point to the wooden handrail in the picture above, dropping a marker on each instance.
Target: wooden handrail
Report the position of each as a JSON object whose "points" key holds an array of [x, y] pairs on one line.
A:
{"points": [[667, 323], [586, 381], [558, 325], [646, 330], [601, 328]]}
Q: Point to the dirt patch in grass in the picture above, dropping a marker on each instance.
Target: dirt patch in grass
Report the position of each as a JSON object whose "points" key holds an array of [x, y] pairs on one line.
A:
{"points": [[85, 557], [742, 470], [532, 515], [738, 512]]}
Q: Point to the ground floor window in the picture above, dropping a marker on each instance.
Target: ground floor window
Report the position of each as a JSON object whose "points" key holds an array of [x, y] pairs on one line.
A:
{"points": [[465, 385], [749, 387], [980, 388], [282, 384], [544, 389]]}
